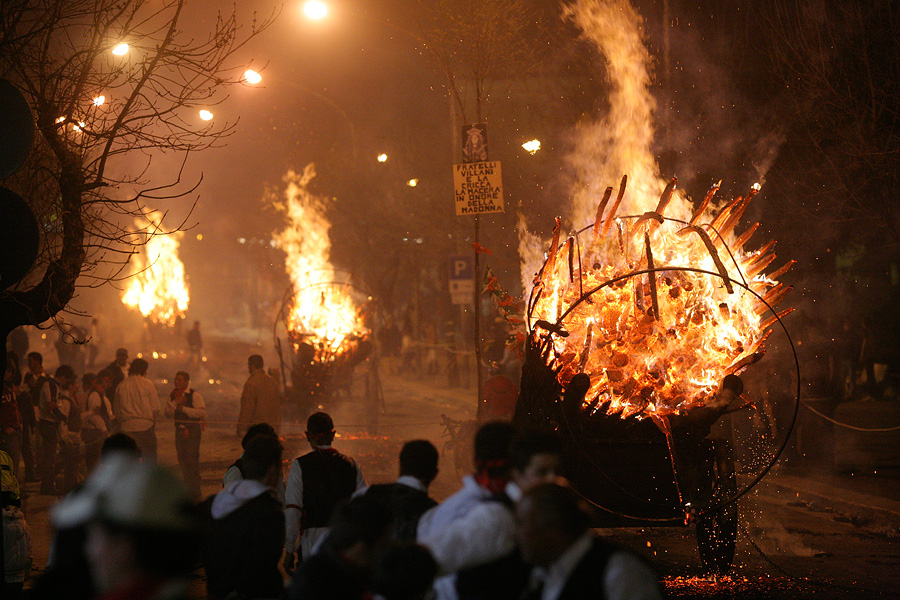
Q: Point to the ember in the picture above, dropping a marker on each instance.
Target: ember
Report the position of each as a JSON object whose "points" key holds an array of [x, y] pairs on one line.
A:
{"points": [[655, 310], [158, 287]]}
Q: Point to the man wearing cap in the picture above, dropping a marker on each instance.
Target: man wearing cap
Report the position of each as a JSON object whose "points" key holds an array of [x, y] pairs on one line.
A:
{"points": [[137, 407], [318, 481], [142, 538]]}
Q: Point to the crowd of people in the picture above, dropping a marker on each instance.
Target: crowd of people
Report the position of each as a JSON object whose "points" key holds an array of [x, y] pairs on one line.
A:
{"points": [[132, 530]]}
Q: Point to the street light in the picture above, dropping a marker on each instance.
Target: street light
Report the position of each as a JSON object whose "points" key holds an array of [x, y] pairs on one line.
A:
{"points": [[412, 182], [382, 157], [120, 49], [99, 100], [315, 10], [252, 77], [532, 146], [206, 115]]}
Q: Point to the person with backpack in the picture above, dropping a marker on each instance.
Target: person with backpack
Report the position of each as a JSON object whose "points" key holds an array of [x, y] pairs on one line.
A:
{"points": [[97, 418], [187, 408], [45, 394]]}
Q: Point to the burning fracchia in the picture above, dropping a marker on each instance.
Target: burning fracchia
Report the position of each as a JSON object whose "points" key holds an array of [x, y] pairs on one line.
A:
{"points": [[655, 310], [322, 317], [158, 288]]}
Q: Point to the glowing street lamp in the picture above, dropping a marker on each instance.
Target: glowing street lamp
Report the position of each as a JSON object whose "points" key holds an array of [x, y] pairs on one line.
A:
{"points": [[412, 182], [120, 49], [315, 10], [252, 77], [206, 115], [382, 158], [99, 100], [532, 146]]}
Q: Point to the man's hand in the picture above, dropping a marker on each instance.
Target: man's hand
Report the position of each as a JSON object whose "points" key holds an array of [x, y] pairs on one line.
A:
{"points": [[290, 560]]}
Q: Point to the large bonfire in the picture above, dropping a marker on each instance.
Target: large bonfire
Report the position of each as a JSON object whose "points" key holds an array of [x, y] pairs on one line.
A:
{"points": [[322, 314], [158, 287], [657, 299], [656, 311]]}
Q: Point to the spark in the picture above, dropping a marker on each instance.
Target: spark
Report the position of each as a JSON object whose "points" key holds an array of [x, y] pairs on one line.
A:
{"points": [[532, 146], [382, 157]]}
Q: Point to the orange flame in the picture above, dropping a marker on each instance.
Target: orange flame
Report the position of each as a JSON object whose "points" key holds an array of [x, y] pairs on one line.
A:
{"points": [[158, 288], [322, 312], [657, 311]]}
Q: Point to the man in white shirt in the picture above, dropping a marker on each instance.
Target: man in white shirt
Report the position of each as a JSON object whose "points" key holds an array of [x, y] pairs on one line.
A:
{"points": [[570, 563], [492, 474], [317, 482], [481, 547], [137, 408]]}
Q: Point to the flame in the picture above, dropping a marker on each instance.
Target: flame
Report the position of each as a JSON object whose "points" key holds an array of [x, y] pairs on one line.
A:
{"points": [[655, 303], [158, 287], [322, 311]]}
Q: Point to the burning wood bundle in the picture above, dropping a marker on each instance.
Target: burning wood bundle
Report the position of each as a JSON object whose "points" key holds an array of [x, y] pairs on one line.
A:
{"points": [[323, 313], [157, 288], [654, 311]]}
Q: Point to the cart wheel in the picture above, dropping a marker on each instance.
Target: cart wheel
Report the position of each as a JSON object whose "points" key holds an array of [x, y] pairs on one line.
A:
{"points": [[716, 532]]}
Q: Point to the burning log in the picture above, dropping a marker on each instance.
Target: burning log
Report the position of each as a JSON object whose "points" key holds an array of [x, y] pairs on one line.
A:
{"points": [[661, 347]]}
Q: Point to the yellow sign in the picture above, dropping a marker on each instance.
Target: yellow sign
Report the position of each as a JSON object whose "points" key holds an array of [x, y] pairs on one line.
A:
{"points": [[478, 187]]}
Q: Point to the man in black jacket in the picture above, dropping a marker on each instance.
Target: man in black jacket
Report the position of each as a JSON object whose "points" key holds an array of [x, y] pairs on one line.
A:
{"points": [[407, 498], [245, 529], [570, 562]]}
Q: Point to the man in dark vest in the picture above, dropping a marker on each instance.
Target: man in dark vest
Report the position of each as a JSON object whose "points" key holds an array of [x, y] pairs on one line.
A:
{"points": [[407, 498], [571, 563], [117, 370], [187, 408], [317, 482]]}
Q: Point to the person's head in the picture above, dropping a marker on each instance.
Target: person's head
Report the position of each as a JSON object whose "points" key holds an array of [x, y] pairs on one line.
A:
{"points": [[536, 457], [492, 444], [120, 443], [103, 380], [196, 324], [65, 376], [35, 362], [122, 357], [255, 363], [182, 380], [404, 572], [550, 517], [360, 531], [262, 459], [138, 367], [319, 429], [419, 459], [139, 523], [87, 380], [255, 430]]}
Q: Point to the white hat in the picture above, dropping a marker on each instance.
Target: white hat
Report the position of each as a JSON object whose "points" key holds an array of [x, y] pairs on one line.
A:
{"points": [[124, 491]]}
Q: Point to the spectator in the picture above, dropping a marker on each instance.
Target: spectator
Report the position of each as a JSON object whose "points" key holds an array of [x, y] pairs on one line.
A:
{"points": [[342, 569], [570, 562], [195, 345], [95, 422], [481, 546], [70, 406], [317, 483], [10, 418], [408, 498], [260, 399], [117, 370], [137, 407], [142, 539], [49, 420], [235, 471], [404, 572], [492, 473], [246, 528], [17, 556], [187, 408]]}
